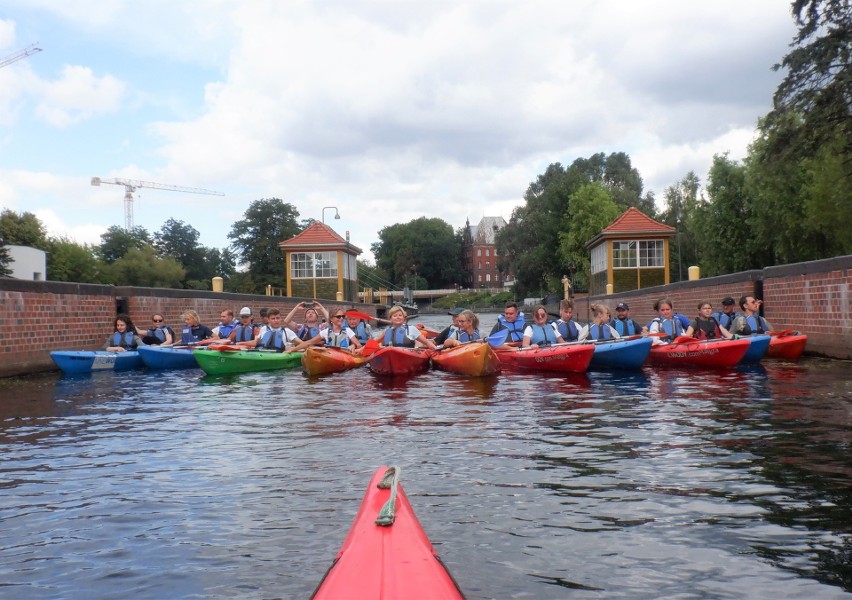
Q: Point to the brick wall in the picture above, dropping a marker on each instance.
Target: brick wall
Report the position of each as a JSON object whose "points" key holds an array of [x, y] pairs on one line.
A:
{"points": [[37, 316]]}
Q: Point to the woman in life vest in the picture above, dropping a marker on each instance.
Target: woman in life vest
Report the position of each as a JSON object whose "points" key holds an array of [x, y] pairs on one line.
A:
{"points": [[312, 325], [666, 322], [124, 337], [599, 328], [540, 333], [193, 331], [467, 331], [159, 334], [706, 327], [339, 335], [401, 333]]}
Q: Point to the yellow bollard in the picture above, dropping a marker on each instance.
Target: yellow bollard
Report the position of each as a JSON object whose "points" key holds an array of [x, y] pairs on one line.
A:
{"points": [[340, 296], [608, 289], [694, 273], [218, 284]]}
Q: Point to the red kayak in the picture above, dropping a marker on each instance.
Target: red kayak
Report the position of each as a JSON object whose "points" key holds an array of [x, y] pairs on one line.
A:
{"points": [[476, 360], [788, 347], [570, 358], [393, 559], [397, 360], [698, 353]]}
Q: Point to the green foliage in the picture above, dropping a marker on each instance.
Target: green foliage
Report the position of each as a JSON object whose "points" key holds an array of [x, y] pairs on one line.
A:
{"points": [[180, 241], [24, 229], [143, 268], [371, 276], [591, 209], [69, 261], [255, 239], [473, 300], [681, 213], [117, 241], [5, 260], [424, 247]]}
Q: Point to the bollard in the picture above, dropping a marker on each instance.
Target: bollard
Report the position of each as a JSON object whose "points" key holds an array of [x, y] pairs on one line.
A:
{"points": [[608, 289], [218, 284], [694, 273]]}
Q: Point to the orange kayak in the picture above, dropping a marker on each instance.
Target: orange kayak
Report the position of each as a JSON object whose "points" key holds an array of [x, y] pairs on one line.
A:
{"points": [[319, 360], [393, 560], [396, 360], [476, 360], [706, 353], [789, 347], [571, 358]]}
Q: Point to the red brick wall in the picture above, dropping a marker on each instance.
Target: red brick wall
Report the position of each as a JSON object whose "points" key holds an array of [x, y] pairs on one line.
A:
{"points": [[37, 316]]}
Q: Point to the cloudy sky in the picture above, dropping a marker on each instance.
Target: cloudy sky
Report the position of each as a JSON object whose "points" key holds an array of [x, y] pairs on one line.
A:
{"points": [[387, 110]]}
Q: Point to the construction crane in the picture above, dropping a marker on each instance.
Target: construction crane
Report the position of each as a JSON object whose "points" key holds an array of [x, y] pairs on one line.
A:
{"points": [[32, 49], [130, 186]]}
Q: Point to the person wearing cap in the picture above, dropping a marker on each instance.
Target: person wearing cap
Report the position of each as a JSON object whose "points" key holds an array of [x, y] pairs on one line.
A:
{"points": [[726, 316], [750, 321], [226, 324], [623, 324], [567, 327], [245, 330], [451, 329]]}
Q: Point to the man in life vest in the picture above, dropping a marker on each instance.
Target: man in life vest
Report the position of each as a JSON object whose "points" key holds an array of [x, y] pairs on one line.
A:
{"points": [[226, 324], [513, 320], [276, 336], [567, 327], [726, 316], [360, 327], [450, 330], [623, 324], [750, 321]]}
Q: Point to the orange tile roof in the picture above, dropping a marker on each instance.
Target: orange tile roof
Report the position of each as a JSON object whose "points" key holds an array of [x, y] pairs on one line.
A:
{"points": [[318, 234], [633, 220]]}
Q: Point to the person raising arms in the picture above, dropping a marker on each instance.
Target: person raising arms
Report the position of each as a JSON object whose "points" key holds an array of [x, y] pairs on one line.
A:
{"points": [[338, 335], [312, 325]]}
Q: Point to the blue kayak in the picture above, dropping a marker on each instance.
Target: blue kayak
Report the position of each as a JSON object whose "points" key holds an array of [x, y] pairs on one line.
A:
{"points": [[167, 357], [621, 354], [757, 349], [87, 361]]}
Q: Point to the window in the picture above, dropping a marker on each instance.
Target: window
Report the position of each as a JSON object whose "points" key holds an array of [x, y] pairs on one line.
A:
{"points": [[313, 265], [599, 258], [479, 251], [487, 252], [624, 255], [488, 277], [479, 265], [651, 253]]}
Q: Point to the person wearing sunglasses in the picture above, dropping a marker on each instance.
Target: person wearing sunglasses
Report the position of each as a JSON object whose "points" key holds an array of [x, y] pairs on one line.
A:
{"points": [[337, 335], [159, 334]]}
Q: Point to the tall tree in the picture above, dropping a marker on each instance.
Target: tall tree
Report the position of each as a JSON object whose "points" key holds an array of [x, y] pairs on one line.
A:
{"points": [[70, 261], [426, 248], [22, 229], [142, 267], [180, 241], [256, 236], [681, 204], [5, 259], [117, 241]]}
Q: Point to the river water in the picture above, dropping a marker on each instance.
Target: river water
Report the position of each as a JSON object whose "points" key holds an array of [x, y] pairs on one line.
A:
{"points": [[657, 483]]}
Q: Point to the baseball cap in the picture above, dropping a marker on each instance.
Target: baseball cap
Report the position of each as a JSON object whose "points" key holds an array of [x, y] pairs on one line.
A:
{"points": [[727, 300], [622, 306], [456, 311], [245, 310]]}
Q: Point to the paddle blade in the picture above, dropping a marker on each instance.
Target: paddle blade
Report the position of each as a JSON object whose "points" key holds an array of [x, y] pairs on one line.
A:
{"points": [[358, 314], [428, 333], [370, 347], [498, 338], [210, 341]]}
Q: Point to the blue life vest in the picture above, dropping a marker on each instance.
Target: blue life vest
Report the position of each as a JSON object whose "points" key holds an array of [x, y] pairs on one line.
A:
{"points": [[244, 333], [600, 332], [307, 333], [465, 337], [725, 320], [671, 327], [225, 330], [396, 336], [361, 332], [160, 333], [124, 340], [337, 340], [273, 339], [540, 334], [516, 329], [626, 327], [190, 335], [755, 324], [568, 330]]}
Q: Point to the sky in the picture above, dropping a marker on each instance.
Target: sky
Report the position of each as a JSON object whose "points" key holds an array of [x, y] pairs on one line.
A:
{"points": [[384, 110]]}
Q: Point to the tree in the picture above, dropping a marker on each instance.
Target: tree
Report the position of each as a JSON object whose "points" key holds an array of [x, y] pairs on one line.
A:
{"points": [[424, 247], [592, 209], [5, 260], [142, 267], [24, 229], [70, 261], [180, 241], [117, 241], [256, 236], [681, 204]]}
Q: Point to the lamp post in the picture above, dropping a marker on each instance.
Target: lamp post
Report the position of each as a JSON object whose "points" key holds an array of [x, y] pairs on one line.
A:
{"points": [[336, 212]]}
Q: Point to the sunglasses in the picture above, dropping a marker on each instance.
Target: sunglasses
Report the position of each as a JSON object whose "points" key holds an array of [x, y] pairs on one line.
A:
{"points": [[337, 317], [157, 320]]}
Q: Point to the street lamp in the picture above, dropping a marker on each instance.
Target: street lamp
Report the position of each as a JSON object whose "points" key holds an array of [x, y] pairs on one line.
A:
{"points": [[336, 213]]}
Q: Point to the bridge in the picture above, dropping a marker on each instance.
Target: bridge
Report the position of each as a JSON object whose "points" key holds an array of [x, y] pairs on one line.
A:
{"points": [[370, 294]]}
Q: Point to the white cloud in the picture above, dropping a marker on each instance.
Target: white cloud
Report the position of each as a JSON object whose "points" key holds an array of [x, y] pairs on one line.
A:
{"points": [[78, 95]]}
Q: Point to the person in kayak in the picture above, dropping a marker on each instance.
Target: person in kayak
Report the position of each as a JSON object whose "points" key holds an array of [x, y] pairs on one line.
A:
{"points": [[750, 321], [467, 330], [540, 333], [599, 328], [567, 327], [159, 334], [312, 325], [623, 324], [513, 320], [447, 332], [401, 333], [666, 322], [339, 335], [193, 331], [275, 336], [226, 324], [360, 327], [246, 330], [124, 337], [706, 327], [728, 313]]}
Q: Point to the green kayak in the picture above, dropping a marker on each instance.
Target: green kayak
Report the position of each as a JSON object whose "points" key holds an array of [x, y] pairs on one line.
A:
{"points": [[216, 362]]}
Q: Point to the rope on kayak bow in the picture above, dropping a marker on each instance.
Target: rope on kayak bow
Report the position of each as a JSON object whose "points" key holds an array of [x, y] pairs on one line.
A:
{"points": [[390, 480]]}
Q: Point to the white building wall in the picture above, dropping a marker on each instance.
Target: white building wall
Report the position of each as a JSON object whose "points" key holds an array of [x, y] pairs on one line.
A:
{"points": [[28, 263]]}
